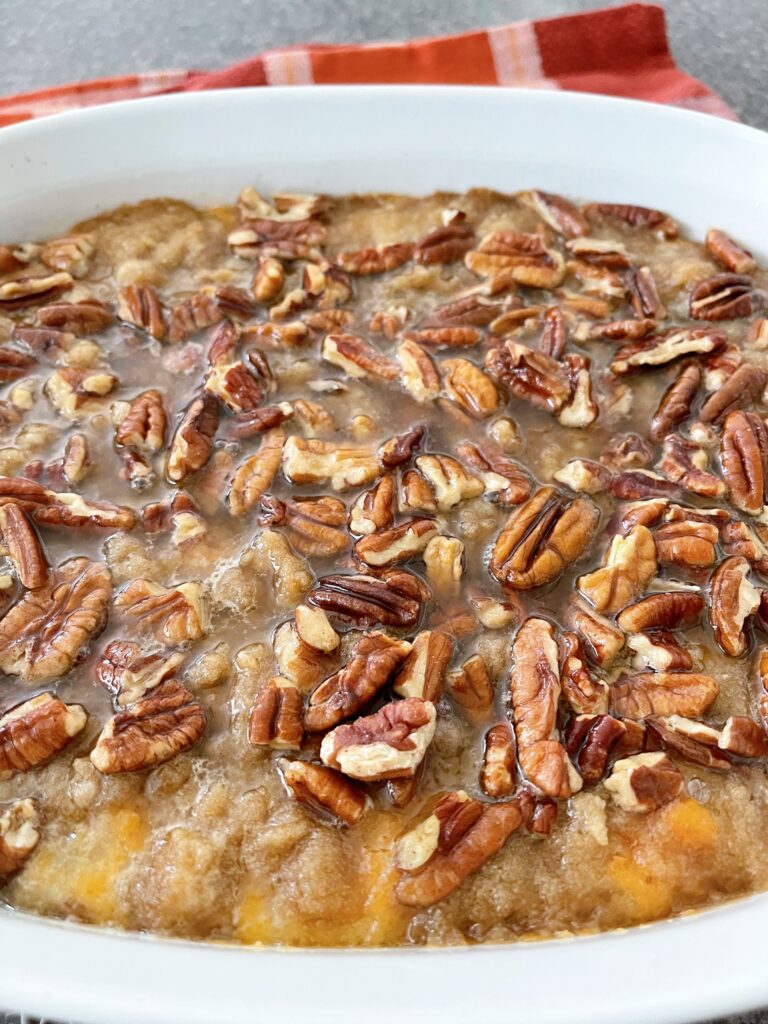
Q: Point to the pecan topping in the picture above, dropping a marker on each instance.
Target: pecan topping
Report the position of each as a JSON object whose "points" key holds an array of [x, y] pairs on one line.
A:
{"points": [[659, 650], [51, 509], [445, 337], [30, 291], [324, 790], [357, 357], [738, 539], [733, 599], [144, 425], [664, 348], [77, 459], [192, 442], [445, 244], [451, 482], [49, 629], [692, 741], [584, 476], [585, 693], [644, 294], [13, 364], [469, 388], [89, 316], [313, 525], [517, 257], [304, 649], [73, 392], [504, 480], [36, 730], [685, 463], [591, 740], [634, 217], [688, 543], [541, 538], [418, 372], [389, 744], [268, 279], [401, 448], [626, 451], [444, 562], [255, 475], [663, 693], [19, 835], [743, 387], [397, 544], [373, 510], [666, 610], [743, 737], [128, 674], [417, 494], [24, 547], [167, 721], [629, 564], [499, 771], [312, 461], [733, 256], [634, 484], [363, 262], [395, 600], [235, 386], [139, 305], [533, 376], [472, 689], [422, 674], [744, 457], [723, 297], [581, 409], [373, 660], [451, 844], [534, 685], [173, 614], [561, 215], [644, 782], [275, 719]]}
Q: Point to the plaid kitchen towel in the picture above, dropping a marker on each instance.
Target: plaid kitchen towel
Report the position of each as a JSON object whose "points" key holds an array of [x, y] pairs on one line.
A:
{"points": [[619, 51]]}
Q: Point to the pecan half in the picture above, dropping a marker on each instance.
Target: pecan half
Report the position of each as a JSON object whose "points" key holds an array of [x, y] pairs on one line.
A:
{"points": [[733, 599], [581, 409], [374, 510], [400, 449], [472, 688], [739, 539], [677, 401], [255, 475], [554, 335], [144, 425], [504, 480], [451, 482], [663, 693], [173, 614], [150, 732], [312, 461], [373, 660], [688, 543], [666, 347], [19, 835], [36, 730], [445, 337], [423, 672], [49, 629], [534, 685], [667, 610], [744, 457], [445, 244], [468, 387], [357, 357], [418, 373], [560, 214], [313, 525], [591, 740], [733, 256], [584, 476], [517, 257], [634, 217], [743, 737], [451, 844], [685, 463], [128, 674], [74, 392], [31, 291], [397, 544], [14, 364], [644, 782], [498, 774], [24, 547], [530, 375], [723, 297], [602, 640], [389, 744], [541, 538], [193, 314], [659, 650], [741, 388], [275, 718], [395, 600], [585, 693], [644, 295], [416, 493], [88, 316], [629, 564], [192, 442], [324, 790], [140, 305], [444, 563], [235, 386], [363, 262], [64, 509], [690, 740]]}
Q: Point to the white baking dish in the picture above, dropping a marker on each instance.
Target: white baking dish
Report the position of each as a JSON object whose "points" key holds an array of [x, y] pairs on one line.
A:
{"points": [[206, 146]]}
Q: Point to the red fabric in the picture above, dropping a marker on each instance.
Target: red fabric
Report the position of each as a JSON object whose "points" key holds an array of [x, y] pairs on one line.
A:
{"points": [[619, 51]]}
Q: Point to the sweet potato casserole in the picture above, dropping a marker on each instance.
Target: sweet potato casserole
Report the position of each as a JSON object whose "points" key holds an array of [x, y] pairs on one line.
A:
{"points": [[380, 570]]}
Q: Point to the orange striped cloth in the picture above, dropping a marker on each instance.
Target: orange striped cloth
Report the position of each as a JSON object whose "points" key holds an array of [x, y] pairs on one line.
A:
{"points": [[619, 51]]}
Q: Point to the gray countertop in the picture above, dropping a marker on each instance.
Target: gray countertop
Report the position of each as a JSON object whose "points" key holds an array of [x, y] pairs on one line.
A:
{"points": [[722, 42]]}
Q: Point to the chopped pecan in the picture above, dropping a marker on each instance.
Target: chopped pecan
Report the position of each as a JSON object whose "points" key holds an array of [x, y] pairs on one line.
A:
{"points": [[743, 737], [173, 614], [534, 685], [723, 297], [395, 600], [688, 543], [417, 494], [374, 510], [72, 253], [644, 295], [144, 425], [733, 256], [444, 562], [667, 610], [257, 421], [584, 476], [19, 835], [660, 349], [499, 771], [757, 335], [389, 322], [312, 461], [24, 546], [531, 375], [140, 305], [301, 662], [733, 600], [469, 387], [585, 693], [254, 476], [275, 718], [517, 257], [313, 525], [36, 730], [74, 392], [663, 693], [192, 442], [389, 744], [234, 302], [328, 285], [581, 409], [541, 538], [397, 544], [659, 650], [400, 449], [268, 279], [128, 674], [634, 217], [445, 244], [324, 790], [472, 688], [504, 480], [451, 844], [77, 459], [603, 641], [629, 564], [48, 630], [744, 458], [167, 721], [20, 292], [690, 740], [235, 386], [685, 463], [591, 739], [644, 782], [373, 659], [450, 481], [363, 262], [422, 674], [357, 357], [560, 214]]}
